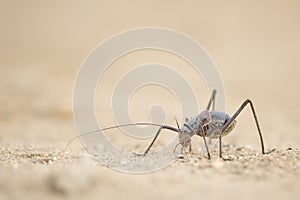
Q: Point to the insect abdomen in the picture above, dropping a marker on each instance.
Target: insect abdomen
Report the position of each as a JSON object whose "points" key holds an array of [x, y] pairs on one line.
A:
{"points": [[217, 120]]}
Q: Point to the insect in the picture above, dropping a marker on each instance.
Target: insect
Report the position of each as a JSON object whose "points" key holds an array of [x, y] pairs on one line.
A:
{"points": [[208, 124]]}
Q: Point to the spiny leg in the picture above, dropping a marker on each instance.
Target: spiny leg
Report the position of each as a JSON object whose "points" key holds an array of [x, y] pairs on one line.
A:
{"points": [[227, 124]]}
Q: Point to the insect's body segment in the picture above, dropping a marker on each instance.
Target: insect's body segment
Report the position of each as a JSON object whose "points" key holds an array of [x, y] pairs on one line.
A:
{"points": [[207, 123], [214, 128]]}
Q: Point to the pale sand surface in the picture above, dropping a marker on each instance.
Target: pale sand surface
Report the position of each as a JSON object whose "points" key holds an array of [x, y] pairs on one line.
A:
{"points": [[255, 46], [53, 174]]}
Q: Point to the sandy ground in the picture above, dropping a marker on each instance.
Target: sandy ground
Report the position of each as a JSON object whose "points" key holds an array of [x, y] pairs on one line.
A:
{"points": [[255, 46], [54, 174]]}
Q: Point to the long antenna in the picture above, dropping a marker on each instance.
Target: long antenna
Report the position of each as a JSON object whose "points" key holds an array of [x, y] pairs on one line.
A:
{"points": [[112, 127]]}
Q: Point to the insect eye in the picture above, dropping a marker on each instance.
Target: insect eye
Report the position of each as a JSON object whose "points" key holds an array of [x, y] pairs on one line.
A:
{"points": [[204, 117]]}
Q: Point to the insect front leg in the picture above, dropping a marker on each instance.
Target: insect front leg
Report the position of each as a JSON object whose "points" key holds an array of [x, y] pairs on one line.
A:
{"points": [[156, 135], [200, 132], [206, 146]]}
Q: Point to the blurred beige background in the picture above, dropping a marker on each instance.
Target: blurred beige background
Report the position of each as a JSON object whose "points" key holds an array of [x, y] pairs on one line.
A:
{"points": [[255, 44]]}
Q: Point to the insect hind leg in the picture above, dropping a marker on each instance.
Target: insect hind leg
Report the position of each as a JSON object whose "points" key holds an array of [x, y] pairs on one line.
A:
{"points": [[228, 123]]}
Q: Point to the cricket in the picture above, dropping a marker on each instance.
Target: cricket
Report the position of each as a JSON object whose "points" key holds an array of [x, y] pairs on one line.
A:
{"points": [[209, 124]]}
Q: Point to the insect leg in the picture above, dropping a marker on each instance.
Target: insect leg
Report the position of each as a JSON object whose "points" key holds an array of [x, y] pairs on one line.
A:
{"points": [[212, 100], [207, 150], [204, 139], [156, 135], [227, 124]]}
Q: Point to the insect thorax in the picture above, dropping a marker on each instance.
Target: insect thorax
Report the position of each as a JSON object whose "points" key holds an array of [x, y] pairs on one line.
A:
{"points": [[212, 129]]}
